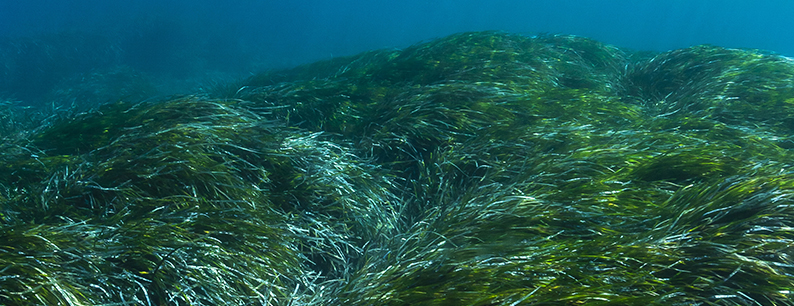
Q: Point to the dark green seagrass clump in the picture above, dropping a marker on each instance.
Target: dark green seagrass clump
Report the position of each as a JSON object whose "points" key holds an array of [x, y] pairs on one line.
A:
{"points": [[478, 169], [189, 201]]}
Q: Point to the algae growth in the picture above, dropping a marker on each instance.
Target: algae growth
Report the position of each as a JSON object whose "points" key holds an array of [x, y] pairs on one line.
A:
{"points": [[479, 169]]}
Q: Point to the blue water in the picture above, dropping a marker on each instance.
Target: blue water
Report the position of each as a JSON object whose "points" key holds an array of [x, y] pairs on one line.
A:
{"points": [[183, 38], [299, 31]]}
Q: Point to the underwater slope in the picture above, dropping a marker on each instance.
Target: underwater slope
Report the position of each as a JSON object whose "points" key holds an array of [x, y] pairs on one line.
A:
{"points": [[478, 169]]}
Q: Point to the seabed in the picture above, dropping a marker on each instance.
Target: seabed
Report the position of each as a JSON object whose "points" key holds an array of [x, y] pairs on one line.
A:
{"points": [[482, 168]]}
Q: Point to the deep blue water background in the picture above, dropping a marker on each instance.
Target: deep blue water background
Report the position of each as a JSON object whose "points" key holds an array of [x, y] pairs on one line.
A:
{"points": [[247, 36]]}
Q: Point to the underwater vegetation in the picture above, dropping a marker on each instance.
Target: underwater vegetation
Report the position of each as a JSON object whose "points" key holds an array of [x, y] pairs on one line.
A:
{"points": [[483, 168]]}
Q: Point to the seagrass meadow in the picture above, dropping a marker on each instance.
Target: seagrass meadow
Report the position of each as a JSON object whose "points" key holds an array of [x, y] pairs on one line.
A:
{"points": [[482, 168]]}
